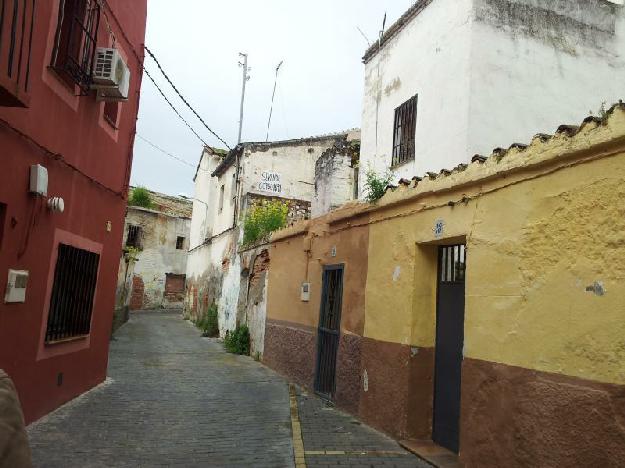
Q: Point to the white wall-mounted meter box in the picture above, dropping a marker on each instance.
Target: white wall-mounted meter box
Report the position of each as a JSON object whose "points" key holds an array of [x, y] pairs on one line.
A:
{"points": [[305, 293], [16, 286], [39, 180]]}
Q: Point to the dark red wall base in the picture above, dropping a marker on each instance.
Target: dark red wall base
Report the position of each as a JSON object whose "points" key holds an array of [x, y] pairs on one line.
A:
{"points": [[510, 416]]}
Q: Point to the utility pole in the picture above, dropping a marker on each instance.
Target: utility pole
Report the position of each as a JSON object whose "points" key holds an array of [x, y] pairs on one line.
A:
{"points": [[275, 83], [245, 78], [238, 150]]}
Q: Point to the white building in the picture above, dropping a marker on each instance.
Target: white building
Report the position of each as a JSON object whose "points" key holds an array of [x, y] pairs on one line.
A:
{"points": [[454, 78], [226, 185], [153, 264]]}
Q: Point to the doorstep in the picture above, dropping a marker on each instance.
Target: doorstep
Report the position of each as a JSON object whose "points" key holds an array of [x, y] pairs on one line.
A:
{"points": [[432, 453]]}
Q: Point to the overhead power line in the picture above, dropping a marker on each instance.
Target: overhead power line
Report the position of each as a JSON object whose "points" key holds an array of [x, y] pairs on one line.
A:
{"points": [[104, 3], [183, 98], [173, 108], [167, 153]]}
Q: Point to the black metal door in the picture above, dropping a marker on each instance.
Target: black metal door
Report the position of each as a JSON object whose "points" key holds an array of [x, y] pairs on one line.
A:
{"points": [[449, 343], [329, 330]]}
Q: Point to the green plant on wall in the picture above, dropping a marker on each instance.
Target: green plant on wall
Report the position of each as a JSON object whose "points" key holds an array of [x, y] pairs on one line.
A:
{"points": [[140, 196], [131, 254], [208, 322], [262, 220], [237, 341], [375, 184]]}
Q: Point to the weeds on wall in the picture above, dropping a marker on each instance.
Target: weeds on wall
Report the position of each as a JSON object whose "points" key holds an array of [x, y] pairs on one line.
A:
{"points": [[140, 196], [208, 322], [375, 184], [237, 341], [262, 220]]}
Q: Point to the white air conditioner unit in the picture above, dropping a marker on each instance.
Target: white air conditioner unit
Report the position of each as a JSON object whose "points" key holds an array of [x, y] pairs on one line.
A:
{"points": [[111, 75]]}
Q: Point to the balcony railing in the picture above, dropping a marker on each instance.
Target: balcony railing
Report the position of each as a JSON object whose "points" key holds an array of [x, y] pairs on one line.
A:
{"points": [[16, 36]]}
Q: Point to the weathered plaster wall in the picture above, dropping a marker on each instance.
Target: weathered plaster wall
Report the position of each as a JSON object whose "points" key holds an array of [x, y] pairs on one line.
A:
{"points": [[431, 57], [123, 292], [295, 162], [336, 177], [533, 56], [544, 317], [206, 266], [215, 267], [471, 61], [159, 255]]}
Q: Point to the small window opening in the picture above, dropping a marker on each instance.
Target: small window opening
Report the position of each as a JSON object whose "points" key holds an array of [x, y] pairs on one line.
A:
{"points": [[404, 132], [135, 236], [179, 243], [221, 197], [111, 111], [75, 42]]}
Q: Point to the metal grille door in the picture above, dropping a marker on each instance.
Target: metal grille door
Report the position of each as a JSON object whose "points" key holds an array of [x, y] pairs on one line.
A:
{"points": [[449, 344], [329, 330]]}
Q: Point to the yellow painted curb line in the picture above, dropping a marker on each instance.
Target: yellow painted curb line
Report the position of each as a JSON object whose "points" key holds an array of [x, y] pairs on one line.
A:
{"points": [[298, 444]]}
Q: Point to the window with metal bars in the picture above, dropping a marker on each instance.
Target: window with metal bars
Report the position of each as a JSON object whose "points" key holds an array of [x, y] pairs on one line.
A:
{"points": [[71, 303], [75, 42], [453, 261], [134, 237], [404, 132]]}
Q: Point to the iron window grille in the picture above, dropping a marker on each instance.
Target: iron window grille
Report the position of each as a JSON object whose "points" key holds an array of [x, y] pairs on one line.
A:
{"points": [[75, 42], [404, 132], [453, 260], [71, 303], [134, 237]]}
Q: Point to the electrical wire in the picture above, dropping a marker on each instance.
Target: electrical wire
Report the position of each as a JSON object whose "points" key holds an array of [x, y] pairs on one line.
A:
{"points": [[182, 97], [173, 108], [167, 153], [140, 61], [58, 157]]}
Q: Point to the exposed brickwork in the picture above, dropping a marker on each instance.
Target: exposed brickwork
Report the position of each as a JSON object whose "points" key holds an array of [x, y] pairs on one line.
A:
{"points": [[138, 289], [174, 287], [261, 264]]}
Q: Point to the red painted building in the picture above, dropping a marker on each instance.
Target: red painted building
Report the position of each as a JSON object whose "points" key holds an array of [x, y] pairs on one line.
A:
{"points": [[58, 269]]}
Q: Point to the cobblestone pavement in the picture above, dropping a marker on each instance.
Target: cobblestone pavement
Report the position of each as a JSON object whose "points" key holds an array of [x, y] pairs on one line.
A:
{"points": [[335, 439], [175, 399]]}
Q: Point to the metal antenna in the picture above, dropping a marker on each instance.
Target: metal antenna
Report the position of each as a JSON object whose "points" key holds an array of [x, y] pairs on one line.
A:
{"points": [[275, 83], [365, 36], [245, 78], [382, 30]]}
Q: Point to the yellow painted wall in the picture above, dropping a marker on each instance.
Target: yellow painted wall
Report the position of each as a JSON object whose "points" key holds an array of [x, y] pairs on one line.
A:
{"points": [[288, 270], [540, 224], [536, 239]]}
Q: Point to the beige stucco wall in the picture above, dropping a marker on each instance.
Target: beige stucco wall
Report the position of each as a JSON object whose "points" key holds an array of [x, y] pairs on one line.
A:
{"points": [[159, 255]]}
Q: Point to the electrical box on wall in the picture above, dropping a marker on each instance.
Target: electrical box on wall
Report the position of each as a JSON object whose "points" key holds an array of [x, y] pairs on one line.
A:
{"points": [[39, 180], [16, 286], [305, 294]]}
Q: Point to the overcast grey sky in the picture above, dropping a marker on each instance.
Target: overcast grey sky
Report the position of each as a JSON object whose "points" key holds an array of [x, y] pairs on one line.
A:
{"points": [[198, 41]]}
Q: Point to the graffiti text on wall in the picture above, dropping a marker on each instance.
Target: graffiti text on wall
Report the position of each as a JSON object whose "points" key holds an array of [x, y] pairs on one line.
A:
{"points": [[270, 182]]}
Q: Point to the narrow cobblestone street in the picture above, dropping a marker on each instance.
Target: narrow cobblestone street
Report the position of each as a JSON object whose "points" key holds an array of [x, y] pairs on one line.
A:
{"points": [[175, 399]]}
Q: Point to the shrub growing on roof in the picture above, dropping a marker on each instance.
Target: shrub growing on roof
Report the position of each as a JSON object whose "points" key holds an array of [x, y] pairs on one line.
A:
{"points": [[140, 196]]}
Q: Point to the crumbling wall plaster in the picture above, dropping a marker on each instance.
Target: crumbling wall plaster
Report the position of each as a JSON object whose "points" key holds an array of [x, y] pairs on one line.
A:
{"points": [[335, 177], [532, 56], [159, 254]]}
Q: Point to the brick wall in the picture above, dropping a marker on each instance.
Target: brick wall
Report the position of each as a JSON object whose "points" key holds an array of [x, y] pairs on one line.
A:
{"points": [[136, 298]]}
